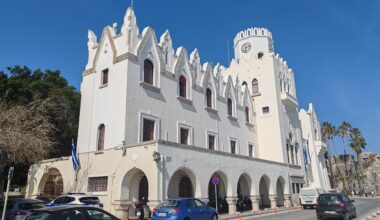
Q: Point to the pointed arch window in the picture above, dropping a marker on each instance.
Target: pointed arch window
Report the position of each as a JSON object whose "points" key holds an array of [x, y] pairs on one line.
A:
{"points": [[148, 72], [229, 107], [255, 86], [208, 98], [246, 114], [101, 133], [182, 86]]}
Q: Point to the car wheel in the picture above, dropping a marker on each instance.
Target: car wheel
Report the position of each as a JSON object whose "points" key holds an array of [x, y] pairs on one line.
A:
{"points": [[319, 217], [304, 207], [355, 214], [214, 217], [347, 216]]}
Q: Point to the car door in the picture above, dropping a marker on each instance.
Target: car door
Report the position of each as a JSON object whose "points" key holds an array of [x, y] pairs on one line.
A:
{"points": [[58, 201], [350, 206], [202, 209], [95, 214], [191, 210]]}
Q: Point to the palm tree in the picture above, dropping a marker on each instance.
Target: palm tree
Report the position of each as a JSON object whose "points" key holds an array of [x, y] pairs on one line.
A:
{"points": [[357, 144], [344, 132], [328, 132]]}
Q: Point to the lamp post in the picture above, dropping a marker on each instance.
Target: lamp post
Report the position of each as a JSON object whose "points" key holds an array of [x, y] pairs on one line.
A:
{"points": [[156, 156]]}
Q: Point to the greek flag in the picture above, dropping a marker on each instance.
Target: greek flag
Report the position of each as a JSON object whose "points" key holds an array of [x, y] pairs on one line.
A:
{"points": [[74, 156], [305, 157]]}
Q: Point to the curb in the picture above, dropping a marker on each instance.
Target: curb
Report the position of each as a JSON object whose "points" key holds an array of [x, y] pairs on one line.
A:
{"points": [[372, 216], [240, 215]]}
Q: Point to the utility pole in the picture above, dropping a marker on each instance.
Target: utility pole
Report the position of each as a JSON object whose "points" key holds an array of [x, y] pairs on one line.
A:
{"points": [[10, 176]]}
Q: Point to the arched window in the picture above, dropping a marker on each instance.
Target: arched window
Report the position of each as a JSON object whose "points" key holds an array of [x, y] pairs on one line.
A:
{"points": [[260, 55], [182, 86], [208, 98], [244, 83], [246, 114], [101, 133], [229, 107], [255, 86], [148, 72]]}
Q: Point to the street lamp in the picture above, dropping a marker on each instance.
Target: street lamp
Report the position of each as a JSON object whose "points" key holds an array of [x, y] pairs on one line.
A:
{"points": [[156, 156]]}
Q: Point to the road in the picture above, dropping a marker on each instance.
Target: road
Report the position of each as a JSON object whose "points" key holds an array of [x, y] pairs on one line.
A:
{"points": [[364, 207]]}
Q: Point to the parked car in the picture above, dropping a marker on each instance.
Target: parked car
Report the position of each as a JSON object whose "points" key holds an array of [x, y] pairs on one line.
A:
{"points": [[76, 199], [69, 212], [19, 208], [184, 209], [309, 196], [45, 200], [335, 205]]}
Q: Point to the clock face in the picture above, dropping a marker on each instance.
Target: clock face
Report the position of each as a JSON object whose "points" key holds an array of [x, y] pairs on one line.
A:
{"points": [[246, 47]]}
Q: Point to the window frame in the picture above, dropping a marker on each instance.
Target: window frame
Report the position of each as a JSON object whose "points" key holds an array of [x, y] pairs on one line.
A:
{"points": [[98, 148], [156, 132], [182, 87], [247, 114], [230, 109], [102, 83], [237, 151], [190, 134], [209, 99], [211, 133], [94, 192], [147, 78], [253, 154], [255, 86]]}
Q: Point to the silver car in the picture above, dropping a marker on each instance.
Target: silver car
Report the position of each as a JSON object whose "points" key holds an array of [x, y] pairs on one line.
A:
{"points": [[18, 209]]}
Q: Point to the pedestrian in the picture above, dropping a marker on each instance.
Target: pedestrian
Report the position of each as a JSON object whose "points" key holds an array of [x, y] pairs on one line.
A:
{"points": [[139, 209]]}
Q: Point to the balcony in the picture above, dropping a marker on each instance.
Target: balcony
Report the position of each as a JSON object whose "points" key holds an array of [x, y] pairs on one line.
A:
{"points": [[288, 100], [320, 146]]}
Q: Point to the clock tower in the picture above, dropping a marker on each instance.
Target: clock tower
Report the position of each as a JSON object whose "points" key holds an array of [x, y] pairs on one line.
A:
{"points": [[252, 42]]}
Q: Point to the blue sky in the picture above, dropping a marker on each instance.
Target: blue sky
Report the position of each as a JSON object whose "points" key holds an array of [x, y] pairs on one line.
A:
{"points": [[332, 46]]}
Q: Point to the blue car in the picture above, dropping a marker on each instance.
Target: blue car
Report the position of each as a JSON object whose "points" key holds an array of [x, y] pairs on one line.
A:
{"points": [[184, 209]]}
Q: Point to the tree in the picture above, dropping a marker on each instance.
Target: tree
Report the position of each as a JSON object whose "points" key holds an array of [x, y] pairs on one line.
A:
{"points": [[328, 133], [25, 133], [357, 144], [344, 132], [19, 86]]}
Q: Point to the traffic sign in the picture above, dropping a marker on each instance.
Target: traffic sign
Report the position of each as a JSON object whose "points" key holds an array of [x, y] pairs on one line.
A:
{"points": [[215, 180]]}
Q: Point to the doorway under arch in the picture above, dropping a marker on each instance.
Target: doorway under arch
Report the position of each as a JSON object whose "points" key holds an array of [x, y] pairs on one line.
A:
{"points": [[221, 192], [244, 202], [280, 191], [51, 184], [135, 186], [264, 192], [182, 184]]}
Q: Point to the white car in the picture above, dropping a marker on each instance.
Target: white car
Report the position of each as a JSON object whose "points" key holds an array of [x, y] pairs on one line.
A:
{"points": [[309, 196], [76, 199]]}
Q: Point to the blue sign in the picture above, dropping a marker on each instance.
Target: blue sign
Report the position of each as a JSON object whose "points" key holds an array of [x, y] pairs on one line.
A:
{"points": [[215, 180]]}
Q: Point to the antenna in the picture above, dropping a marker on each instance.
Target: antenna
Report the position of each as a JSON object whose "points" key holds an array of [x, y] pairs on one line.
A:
{"points": [[228, 54]]}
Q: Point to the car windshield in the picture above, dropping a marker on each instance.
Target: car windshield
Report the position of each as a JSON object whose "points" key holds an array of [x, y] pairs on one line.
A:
{"points": [[328, 197], [89, 200], [40, 216], [170, 203], [29, 206], [307, 192]]}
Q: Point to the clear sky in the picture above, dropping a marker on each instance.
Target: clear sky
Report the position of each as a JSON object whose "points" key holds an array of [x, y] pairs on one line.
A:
{"points": [[333, 46]]}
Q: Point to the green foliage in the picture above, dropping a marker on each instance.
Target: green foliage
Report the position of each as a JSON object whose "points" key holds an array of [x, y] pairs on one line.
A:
{"points": [[21, 86]]}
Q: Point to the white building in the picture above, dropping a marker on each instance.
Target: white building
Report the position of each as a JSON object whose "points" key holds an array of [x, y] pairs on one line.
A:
{"points": [[156, 123]]}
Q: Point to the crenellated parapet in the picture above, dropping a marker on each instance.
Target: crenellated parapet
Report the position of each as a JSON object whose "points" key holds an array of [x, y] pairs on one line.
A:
{"points": [[249, 32], [286, 76]]}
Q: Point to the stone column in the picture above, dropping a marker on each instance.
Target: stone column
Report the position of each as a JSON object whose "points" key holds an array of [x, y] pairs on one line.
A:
{"points": [[255, 203], [231, 201], [288, 201], [273, 201]]}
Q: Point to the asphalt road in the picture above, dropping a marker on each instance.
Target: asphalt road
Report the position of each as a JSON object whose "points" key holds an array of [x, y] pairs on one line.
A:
{"points": [[364, 207]]}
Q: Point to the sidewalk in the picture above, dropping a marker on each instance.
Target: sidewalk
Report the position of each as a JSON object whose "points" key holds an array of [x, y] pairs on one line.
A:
{"points": [[259, 213], [373, 216]]}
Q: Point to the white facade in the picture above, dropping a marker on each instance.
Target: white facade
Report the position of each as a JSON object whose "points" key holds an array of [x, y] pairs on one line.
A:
{"points": [[257, 149], [316, 165]]}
